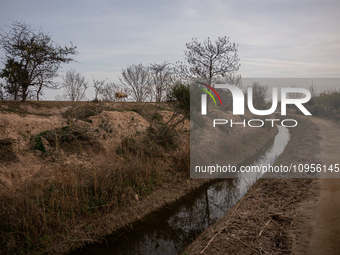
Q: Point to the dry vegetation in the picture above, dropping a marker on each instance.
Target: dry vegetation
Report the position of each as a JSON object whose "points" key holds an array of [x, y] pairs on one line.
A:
{"points": [[71, 173], [258, 224], [98, 158], [325, 104]]}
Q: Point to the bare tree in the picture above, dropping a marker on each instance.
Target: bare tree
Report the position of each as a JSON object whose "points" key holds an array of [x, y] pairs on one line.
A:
{"points": [[98, 85], [206, 61], [313, 91], [260, 94], [162, 77], [32, 58], [235, 80], [109, 90], [137, 80], [2, 92], [74, 85]]}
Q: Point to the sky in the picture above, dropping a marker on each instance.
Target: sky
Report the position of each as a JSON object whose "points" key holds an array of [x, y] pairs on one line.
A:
{"points": [[275, 38]]}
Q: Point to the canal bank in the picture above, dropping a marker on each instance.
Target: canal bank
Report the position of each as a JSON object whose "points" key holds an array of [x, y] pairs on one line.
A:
{"points": [[66, 205], [169, 230], [166, 196]]}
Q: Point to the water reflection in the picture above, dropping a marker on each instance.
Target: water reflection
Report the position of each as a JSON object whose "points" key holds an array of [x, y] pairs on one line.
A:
{"points": [[170, 231], [269, 156]]}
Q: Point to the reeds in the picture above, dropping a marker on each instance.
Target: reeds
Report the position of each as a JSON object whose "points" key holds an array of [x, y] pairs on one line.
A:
{"points": [[63, 207]]}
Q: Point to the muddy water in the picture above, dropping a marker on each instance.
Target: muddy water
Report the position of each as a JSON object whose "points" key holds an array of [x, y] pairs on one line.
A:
{"points": [[170, 230]]}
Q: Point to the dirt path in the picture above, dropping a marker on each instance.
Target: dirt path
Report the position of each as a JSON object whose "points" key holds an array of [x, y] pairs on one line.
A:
{"points": [[320, 216]]}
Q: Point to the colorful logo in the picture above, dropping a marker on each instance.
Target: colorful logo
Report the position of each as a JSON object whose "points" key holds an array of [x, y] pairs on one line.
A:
{"points": [[239, 98], [213, 90]]}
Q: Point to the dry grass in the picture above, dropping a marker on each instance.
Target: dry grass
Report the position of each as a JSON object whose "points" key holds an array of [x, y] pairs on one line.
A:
{"points": [[53, 215], [68, 206], [82, 107], [258, 223], [57, 211], [50, 211], [7, 153]]}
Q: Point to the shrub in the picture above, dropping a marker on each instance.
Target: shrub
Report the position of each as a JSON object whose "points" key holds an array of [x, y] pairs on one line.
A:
{"points": [[70, 139], [164, 136], [325, 104], [180, 93], [38, 144], [158, 138]]}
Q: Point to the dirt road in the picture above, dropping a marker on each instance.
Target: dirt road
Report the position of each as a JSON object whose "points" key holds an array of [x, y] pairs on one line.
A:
{"points": [[319, 227]]}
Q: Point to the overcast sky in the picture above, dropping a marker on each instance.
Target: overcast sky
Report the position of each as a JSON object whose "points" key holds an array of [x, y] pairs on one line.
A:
{"points": [[276, 39]]}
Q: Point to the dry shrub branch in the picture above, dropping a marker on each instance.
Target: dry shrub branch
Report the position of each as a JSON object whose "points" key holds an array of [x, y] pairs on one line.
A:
{"points": [[258, 223]]}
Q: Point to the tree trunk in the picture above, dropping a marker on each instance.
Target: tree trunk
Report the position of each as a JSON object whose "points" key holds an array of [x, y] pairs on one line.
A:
{"points": [[23, 97], [24, 92]]}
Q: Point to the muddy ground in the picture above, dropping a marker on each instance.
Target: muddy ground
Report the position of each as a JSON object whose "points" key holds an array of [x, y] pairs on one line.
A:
{"points": [[285, 216]]}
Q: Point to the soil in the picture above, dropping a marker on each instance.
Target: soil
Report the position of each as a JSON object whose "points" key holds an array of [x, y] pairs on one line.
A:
{"points": [[318, 228], [285, 216]]}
